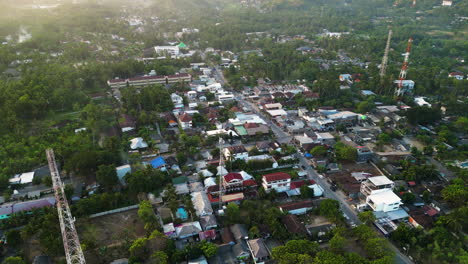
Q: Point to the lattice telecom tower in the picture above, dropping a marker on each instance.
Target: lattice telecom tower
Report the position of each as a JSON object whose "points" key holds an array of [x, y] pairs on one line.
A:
{"points": [[71, 243], [404, 68], [383, 66]]}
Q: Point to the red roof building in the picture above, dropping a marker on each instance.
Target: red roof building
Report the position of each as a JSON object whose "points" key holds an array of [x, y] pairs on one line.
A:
{"points": [[232, 182], [279, 181], [277, 176]]}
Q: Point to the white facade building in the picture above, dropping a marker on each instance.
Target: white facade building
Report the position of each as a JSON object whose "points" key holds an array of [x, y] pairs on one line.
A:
{"points": [[171, 50], [280, 182], [385, 201]]}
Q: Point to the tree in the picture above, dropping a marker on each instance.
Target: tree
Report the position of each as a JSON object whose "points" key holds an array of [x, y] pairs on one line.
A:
{"points": [[327, 257], [384, 138], [254, 232], [330, 209], [367, 217], [232, 213], [209, 249], [456, 193], [14, 260], [106, 176], [159, 257], [408, 197], [306, 192], [345, 152], [138, 248], [318, 151], [146, 214], [337, 244], [13, 238]]}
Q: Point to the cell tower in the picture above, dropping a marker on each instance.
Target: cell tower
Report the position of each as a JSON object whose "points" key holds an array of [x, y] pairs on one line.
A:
{"points": [[71, 243], [404, 67], [383, 66]]}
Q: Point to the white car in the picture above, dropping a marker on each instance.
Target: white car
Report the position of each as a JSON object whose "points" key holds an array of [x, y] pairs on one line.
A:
{"points": [[320, 176]]}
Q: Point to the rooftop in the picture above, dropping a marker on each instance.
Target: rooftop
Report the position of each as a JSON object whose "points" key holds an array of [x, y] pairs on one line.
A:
{"points": [[277, 176], [380, 180], [385, 197]]}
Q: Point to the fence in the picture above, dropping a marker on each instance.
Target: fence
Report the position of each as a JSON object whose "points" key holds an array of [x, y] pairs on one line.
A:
{"points": [[118, 210]]}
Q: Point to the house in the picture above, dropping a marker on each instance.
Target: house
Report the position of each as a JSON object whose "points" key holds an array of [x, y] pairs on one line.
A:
{"points": [[239, 232], [421, 101], [241, 250], [345, 77], [122, 171], [345, 118], [278, 181], [293, 225], [127, 123], [24, 178], [253, 129], [296, 208], [363, 154], [259, 251], [158, 163], [232, 182], [208, 222], [170, 119], [207, 235], [201, 203], [185, 121], [138, 143], [227, 237], [447, 3], [267, 146], [6, 210], [235, 152], [187, 230], [169, 230]]}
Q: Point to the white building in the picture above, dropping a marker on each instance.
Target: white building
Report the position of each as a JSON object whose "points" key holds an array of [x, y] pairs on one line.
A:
{"points": [[279, 181], [377, 184], [171, 50], [421, 101], [447, 3], [384, 201]]}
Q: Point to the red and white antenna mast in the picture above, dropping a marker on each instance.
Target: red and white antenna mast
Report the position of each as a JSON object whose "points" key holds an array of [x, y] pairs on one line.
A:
{"points": [[404, 68], [71, 243]]}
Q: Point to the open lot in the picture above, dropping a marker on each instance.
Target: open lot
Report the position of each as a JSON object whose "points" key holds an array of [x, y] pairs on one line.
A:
{"points": [[106, 238]]}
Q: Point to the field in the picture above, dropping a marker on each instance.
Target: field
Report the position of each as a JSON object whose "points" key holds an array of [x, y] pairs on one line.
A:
{"points": [[106, 238]]}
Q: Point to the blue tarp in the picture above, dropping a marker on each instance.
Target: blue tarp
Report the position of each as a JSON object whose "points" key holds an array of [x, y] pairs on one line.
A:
{"points": [[158, 162], [308, 155]]}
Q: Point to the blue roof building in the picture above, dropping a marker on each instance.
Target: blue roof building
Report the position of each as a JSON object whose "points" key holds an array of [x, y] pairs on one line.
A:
{"points": [[158, 163]]}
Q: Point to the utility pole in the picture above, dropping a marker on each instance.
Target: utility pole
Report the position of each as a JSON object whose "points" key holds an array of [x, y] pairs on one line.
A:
{"points": [[383, 65], [221, 177], [404, 68], [71, 243]]}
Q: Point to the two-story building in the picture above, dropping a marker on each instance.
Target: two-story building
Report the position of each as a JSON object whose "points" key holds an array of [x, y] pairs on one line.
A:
{"points": [[279, 181], [185, 121], [232, 182]]}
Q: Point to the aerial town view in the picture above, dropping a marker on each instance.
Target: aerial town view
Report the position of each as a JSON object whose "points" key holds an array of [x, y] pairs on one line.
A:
{"points": [[234, 131]]}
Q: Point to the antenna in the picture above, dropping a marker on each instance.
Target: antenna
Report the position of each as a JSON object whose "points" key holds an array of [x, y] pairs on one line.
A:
{"points": [[399, 91], [71, 243]]}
